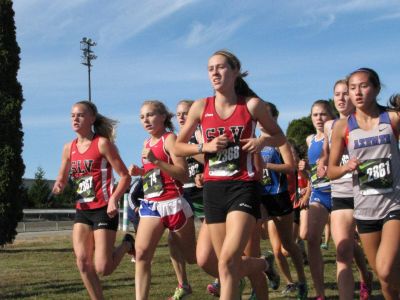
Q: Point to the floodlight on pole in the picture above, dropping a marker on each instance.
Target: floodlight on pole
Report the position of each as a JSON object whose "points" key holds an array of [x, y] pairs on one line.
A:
{"points": [[87, 57]]}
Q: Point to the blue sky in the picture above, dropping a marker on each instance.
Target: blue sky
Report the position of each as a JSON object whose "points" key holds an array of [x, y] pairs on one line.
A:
{"points": [[158, 49]]}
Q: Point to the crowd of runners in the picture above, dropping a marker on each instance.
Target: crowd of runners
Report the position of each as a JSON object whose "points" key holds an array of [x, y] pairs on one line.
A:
{"points": [[230, 166]]}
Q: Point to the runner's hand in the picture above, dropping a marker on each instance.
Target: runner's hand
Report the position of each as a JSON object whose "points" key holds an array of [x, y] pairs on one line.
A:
{"points": [[251, 145]]}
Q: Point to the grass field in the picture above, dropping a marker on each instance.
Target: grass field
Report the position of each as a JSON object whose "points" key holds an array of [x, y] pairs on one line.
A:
{"points": [[44, 268]]}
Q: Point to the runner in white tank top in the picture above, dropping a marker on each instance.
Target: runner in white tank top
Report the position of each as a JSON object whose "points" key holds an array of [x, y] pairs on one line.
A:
{"points": [[342, 220], [371, 137]]}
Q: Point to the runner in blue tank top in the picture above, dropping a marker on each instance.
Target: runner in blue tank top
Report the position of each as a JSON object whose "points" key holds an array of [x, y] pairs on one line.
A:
{"points": [[275, 197], [320, 199]]}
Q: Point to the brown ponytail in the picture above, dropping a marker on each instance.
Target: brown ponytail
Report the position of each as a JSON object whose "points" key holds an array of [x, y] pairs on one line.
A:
{"points": [[102, 125]]}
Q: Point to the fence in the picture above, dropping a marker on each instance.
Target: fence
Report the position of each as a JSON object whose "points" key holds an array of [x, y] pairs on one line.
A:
{"points": [[60, 219]]}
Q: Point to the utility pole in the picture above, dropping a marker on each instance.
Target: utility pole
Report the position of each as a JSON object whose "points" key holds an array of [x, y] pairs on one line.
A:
{"points": [[87, 57]]}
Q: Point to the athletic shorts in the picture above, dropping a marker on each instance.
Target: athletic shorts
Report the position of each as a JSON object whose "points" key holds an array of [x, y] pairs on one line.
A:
{"points": [[342, 203], [172, 213], [277, 205], [222, 197], [368, 226], [194, 196], [323, 198], [97, 218]]}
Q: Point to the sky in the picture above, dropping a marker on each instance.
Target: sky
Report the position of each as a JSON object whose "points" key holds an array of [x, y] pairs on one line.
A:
{"points": [[293, 50]]}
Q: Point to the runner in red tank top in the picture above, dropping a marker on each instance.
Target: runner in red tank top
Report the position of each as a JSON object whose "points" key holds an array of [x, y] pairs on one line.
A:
{"points": [[230, 201], [90, 159], [163, 205], [92, 174]]}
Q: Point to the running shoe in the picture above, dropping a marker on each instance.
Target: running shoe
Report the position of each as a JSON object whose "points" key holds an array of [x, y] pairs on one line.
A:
{"points": [[289, 288], [366, 287], [214, 288], [253, 295], [242, 285], [273, 276], [181, 292], [302, 291], [129, 239], [324, 246]]}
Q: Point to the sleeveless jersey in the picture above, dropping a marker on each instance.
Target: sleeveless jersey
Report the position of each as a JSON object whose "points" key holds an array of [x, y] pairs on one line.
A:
{"points": [[343, 186], [273, 182], [92, 176], [231, 163], [377, 179], [157, 184], [194, 166], [314, 153]]}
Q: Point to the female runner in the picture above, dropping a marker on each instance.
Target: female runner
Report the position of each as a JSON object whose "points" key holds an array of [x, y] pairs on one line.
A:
{"points": [[320, 199], [228, 122], [342, 220], [90, 159], [371, 138], [163, 205]]}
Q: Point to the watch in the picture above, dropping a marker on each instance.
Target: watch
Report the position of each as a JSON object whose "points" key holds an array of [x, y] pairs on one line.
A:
{"points": [[200, 148]]}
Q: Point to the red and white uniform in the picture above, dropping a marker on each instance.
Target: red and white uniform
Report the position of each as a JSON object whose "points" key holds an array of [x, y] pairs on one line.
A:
{"points": [[92, 175], [231, 163], [159, 185]]}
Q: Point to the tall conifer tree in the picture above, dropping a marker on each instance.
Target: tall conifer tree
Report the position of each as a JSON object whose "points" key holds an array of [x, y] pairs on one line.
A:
{"points": [[11, 136]]}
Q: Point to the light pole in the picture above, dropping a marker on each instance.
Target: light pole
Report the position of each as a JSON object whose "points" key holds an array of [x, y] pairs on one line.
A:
{"points": [[87, 57]]}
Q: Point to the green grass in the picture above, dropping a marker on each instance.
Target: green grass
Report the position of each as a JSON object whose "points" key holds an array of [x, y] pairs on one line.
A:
{"points": [[44, 268]]}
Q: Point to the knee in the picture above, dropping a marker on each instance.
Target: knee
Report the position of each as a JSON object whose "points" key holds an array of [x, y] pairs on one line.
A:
{"points": [[313, 240], [84, 264], [384, 272], [345, 251], [227, 266], [103, 268], [143, 255], [285, 252], [202, 259], [303, 234], [278, 253], [191, 258]]}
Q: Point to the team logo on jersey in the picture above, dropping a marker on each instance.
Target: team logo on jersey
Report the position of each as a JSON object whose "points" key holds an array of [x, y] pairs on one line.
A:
{"points": [[81, 166], [236, 132], [372, 141]]}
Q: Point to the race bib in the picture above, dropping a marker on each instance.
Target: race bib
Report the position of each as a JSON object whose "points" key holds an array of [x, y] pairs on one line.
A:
{"points": [[225, 162], [266, 179], [152, 184], [84, 189], [375, 177], [316, 181]]}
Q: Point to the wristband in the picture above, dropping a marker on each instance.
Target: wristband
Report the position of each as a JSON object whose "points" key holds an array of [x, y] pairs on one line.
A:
{"points": [[200, 148]]}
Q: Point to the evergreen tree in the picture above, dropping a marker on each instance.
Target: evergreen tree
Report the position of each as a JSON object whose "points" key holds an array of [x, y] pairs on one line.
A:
{"points": [[297, 132], [11, 165], [66, 199], [39, 194]]}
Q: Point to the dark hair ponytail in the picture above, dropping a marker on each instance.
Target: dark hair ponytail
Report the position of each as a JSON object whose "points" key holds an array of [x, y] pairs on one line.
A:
{"points": [[394, 102]]}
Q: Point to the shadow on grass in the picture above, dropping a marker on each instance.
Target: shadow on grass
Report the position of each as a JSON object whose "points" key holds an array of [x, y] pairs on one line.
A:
{"points": [[46, 289], [39, 250]]}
